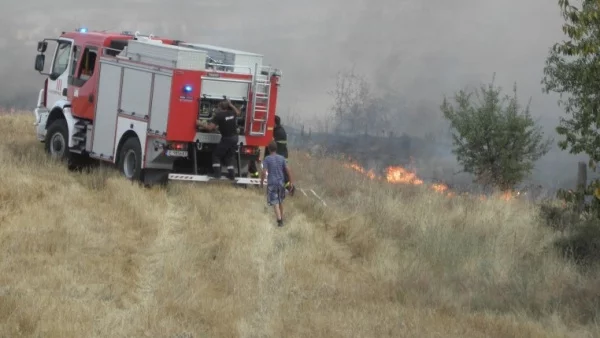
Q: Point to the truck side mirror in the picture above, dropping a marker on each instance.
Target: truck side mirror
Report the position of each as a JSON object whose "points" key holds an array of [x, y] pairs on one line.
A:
{"points": [[42, 45], [39, 62]]}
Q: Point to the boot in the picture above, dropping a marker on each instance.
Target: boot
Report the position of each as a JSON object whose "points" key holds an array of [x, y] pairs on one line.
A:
{"points": [[217, 172], [231, 174]]}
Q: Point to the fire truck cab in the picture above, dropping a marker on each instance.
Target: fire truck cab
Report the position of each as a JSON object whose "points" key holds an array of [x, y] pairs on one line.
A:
{"points": [[133, 100]]}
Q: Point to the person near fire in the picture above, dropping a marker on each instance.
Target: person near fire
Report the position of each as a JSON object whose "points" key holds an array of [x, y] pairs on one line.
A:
{"points": [[277, 167], [280, 138], [225, 119]]}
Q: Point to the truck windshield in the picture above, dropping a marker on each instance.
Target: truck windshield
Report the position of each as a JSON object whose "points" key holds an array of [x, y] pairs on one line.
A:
{"points": [[62, 58]]}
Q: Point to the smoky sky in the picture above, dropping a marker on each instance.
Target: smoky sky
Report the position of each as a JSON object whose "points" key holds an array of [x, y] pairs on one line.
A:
{"points": [[417, 50]]}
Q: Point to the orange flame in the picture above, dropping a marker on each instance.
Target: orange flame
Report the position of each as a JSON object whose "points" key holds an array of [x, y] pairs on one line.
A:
{"points": [[509, 195], [370, 174], [439, 187], [400, 175]]}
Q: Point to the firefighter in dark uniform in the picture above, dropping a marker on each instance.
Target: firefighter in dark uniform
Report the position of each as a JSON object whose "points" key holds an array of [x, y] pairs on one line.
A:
{"points": [[280, 137], [226, 120]]}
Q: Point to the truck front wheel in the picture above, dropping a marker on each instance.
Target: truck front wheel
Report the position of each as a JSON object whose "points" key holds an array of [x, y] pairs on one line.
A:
{"points": [[57, 141], [130, 159]]}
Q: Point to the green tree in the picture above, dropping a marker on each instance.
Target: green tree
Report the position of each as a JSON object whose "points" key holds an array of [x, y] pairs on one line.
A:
{"points": [[494, 138], [573, 68]]}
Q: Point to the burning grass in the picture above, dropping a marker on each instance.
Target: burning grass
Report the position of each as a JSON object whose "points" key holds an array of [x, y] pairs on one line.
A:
{"points": [[461, 255], [91, 255], [401, 175]]}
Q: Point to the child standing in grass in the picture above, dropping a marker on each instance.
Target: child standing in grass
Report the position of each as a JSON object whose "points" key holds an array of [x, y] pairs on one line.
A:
{"points": [[277, 168]]}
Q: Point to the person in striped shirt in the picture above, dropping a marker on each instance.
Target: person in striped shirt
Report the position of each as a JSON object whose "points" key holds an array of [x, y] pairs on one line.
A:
{"points": [[277, 167]]}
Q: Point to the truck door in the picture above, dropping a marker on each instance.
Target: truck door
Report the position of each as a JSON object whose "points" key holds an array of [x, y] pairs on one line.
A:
{"points": [[59, 74], [82, 85]]}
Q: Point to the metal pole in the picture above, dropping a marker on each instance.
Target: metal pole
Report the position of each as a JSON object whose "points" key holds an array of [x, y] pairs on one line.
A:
{"points": [[194, 158], [239, 160]]}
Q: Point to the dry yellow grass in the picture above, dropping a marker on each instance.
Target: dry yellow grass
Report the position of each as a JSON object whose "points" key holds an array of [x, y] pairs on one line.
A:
{"points": [[91, 255]]}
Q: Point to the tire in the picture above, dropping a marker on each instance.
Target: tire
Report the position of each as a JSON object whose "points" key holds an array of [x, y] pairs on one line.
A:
{"points": [[130, 159], [56, 144]]}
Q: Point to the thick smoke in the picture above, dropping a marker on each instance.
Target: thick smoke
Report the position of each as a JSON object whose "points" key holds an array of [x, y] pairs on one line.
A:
{"points": [[415, 51]]}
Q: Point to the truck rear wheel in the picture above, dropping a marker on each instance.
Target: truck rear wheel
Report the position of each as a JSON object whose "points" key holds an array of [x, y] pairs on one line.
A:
{"points": [[130, 159]]}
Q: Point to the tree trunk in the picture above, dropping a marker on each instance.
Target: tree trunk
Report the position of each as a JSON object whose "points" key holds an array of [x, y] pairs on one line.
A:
{"points": [[581, 185]]}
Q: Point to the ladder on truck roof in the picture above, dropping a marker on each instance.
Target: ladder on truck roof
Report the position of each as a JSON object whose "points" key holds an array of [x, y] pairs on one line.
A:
{"points": [[261, 92]]}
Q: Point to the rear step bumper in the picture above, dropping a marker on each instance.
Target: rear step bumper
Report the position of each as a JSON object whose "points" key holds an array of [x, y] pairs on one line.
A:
{"points": [[206, 178]]}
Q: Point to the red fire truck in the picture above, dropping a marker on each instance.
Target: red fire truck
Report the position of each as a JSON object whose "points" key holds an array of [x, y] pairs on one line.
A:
{"points": [[133, 100]]}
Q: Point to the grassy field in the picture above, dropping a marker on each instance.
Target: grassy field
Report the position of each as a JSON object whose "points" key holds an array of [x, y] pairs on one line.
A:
{"points": [[92, 255]]}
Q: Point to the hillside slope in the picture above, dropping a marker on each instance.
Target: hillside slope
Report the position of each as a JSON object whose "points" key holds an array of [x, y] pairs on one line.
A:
{"points": [[92, 255]]}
